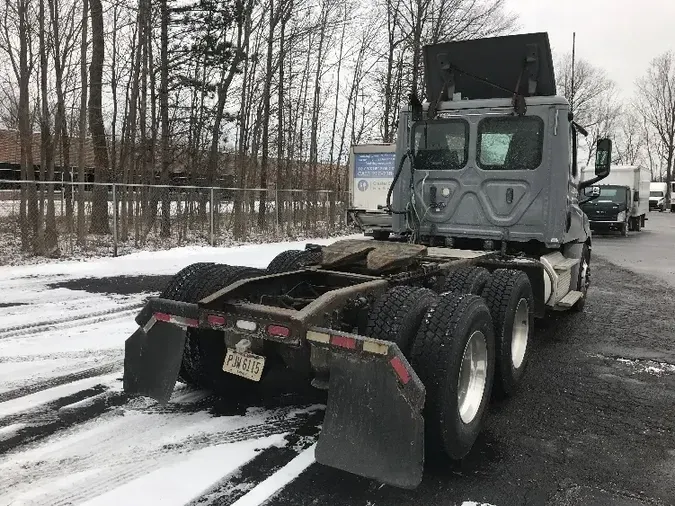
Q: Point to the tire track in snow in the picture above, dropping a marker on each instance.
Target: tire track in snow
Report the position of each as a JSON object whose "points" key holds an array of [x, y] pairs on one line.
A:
{"points": [[263, 465], [39, 386], [136, 461], [41, 423], [71, 321]]}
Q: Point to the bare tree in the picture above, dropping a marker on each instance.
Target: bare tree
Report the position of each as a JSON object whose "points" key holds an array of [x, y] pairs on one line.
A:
{"points": [[82, 126], [630, 139], [656, 102], [99, 206]]}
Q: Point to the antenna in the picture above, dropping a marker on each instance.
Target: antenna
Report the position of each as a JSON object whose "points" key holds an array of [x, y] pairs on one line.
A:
{"points": [[574, 43]]}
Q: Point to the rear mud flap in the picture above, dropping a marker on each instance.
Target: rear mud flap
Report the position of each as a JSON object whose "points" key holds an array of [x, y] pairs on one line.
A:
{"points": [[373, 425], [153, 354]]}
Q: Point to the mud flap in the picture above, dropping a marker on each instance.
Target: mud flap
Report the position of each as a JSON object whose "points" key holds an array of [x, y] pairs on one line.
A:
{"points": [[373, 425], [153, 354]]}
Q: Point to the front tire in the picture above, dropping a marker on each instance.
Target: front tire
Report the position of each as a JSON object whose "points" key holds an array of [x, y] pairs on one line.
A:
{"points": [[509, 296], [453, 355], [583, 279]]}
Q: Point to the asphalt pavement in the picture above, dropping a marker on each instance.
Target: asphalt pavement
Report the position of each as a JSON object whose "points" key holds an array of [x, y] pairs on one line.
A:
{"points": [[593, 422], [651, 251]]}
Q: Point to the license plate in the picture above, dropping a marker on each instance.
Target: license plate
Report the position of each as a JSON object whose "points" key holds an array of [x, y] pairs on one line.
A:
{"points": [[246, 365]]}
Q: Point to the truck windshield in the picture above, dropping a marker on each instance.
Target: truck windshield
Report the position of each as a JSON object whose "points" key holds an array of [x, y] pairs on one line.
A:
{"points": [[615, 195], [656, 194], [441, 144], [510, 143]]}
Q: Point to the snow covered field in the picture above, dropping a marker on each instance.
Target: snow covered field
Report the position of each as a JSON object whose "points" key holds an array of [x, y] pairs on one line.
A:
{"points": [[69, 434]]}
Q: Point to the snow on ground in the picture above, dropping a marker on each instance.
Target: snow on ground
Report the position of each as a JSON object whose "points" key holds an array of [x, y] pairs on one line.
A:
{"points": [[68, 433]]}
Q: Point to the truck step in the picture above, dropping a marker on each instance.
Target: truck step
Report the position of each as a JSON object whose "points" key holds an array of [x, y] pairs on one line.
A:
{"points": [[566, 264], [570, 299]]}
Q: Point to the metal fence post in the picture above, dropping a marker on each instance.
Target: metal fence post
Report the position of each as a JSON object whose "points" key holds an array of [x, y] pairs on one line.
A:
{"points": [[211, 218], [276, 206], [114, 199]]}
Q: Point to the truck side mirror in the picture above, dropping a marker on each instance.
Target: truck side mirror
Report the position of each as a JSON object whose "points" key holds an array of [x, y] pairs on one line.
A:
{"points": [[636, 196], [603, 157]]}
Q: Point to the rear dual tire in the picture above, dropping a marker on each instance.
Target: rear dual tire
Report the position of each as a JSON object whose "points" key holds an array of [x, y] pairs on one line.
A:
{"points": [[453, 355], [204, 348]]}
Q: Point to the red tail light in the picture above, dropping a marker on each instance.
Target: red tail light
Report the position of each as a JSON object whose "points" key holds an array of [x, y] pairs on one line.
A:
{"points": [[215, 319], [344, 342], [278, 331], [163, 317]]}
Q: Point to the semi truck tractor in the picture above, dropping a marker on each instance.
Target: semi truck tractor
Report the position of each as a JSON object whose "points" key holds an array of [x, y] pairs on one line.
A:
{"points": [[413, 335], [621, 202]]}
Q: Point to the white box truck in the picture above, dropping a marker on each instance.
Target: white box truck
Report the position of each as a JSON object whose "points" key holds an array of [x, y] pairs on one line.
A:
{"points": [[621, 202], [657, 196], [371, 172]]}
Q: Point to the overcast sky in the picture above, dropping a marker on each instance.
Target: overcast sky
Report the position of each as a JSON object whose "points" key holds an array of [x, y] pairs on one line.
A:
{"points": [[618, 35]]}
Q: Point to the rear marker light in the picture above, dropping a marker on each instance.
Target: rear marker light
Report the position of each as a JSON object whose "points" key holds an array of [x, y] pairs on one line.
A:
{"points": [[318, 337], [278, 330], [373, 347], [246, 325], [344, 342], [163, 317], [400, 369], [215, 319]]}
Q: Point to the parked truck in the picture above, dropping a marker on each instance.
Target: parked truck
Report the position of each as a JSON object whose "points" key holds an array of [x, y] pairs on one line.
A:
{"points": [[622, 201], [657, 196], [411, 336]]}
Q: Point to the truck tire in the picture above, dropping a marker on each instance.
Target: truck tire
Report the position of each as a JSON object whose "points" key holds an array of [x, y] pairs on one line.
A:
{"points": [[192, 284], [292, 260], [509, 296], [466, 280], [205, 348], [397, 314], [381, 235], [181, 288], [584, 278], [453, 355], [638, 224]]}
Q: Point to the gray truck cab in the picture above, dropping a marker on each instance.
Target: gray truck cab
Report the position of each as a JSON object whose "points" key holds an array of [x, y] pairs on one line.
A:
{"points": [[483, 167]]}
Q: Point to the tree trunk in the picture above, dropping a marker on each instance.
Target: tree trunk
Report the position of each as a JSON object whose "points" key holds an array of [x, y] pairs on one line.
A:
{"points": [[264, 160], [99, 207], [165, 230], [82, 127], [30, 240]]}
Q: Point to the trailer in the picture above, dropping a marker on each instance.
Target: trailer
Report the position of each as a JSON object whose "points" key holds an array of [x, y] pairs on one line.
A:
{"points": [[371, 171], [622, 201], [410, 336]]}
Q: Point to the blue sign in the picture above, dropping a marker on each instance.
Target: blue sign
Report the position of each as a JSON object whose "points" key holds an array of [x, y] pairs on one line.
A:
{"points": [[374, 165]]}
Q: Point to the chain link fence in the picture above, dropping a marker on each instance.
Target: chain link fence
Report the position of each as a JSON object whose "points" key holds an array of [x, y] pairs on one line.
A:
{"points": [[55, 219]]}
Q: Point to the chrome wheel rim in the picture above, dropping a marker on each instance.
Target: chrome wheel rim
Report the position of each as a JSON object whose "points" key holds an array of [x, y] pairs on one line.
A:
{"points": [[472, 377], [520, 333], [584, 275]]}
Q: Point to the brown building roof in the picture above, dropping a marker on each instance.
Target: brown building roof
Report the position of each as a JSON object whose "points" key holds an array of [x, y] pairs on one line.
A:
{"points": [[10, 149]]}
